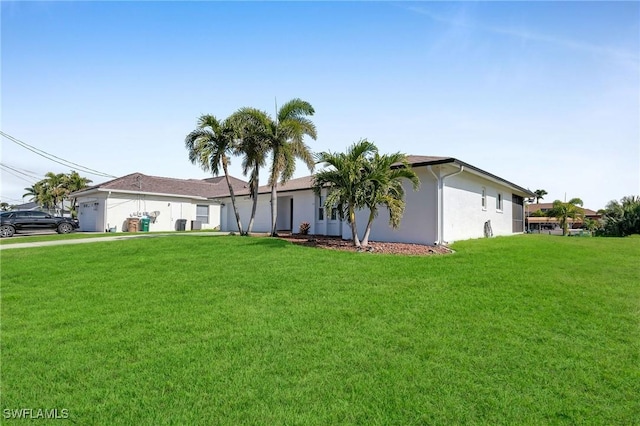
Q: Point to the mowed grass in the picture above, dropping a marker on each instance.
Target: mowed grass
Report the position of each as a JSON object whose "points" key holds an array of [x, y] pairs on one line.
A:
{"points": [[231, 330]]}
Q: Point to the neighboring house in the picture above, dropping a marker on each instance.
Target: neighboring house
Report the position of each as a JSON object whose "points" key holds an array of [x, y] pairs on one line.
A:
{"points": [[543, 223], [165, 201], [455, 202]]}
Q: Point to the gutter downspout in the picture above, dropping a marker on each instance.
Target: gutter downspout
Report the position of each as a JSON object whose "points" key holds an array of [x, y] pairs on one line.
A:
{"points": [[440, 197], [106, 212]]}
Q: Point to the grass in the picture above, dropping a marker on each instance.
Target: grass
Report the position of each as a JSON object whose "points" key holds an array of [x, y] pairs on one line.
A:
{"points": [[520, 330]]}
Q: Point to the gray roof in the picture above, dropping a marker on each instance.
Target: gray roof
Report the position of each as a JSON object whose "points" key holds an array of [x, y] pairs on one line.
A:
{"points": [[140, 183], [414, 160]]}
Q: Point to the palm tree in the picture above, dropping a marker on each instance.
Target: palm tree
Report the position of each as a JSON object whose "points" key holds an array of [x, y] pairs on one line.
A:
{"points": [[253, 148], [384, 187], [540, 193], [74, 182], [622, 218], [284, 139], [54, 184], [344, 180], [565, 211], [210, 146], [39, 194]]}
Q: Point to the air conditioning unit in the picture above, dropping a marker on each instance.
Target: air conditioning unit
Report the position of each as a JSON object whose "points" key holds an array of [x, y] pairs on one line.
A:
{"points": [[196, 225]]}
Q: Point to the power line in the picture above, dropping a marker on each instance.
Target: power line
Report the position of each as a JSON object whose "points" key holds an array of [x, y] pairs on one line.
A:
{"points": [[18, 171], [54, 158], [11, 199], [19, 177]]}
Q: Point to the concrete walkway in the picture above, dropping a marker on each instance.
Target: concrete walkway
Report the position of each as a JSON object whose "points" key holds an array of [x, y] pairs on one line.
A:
{"points": [[119, 237]]}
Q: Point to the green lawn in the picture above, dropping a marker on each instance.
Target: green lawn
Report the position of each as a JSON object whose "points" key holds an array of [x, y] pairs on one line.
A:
{"points": [[530, 329]]}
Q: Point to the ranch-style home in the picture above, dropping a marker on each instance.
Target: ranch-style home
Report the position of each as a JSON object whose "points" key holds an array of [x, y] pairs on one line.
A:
{"points": [[456, 201], [168, 204]]}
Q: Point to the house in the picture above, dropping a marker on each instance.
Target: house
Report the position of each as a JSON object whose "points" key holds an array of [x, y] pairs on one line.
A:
{"points": [[170, 204], [544, 223], [456, 201]]}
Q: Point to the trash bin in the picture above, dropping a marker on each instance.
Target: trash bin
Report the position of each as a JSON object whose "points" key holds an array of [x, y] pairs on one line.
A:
{"points": [[181, 225], [196, 225], [133, 224], [144, 224]]}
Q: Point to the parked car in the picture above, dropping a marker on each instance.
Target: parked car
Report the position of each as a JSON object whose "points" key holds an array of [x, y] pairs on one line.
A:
{"points": [[15, 221]]}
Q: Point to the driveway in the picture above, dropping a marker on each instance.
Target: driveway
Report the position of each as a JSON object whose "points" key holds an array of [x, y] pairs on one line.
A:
{"points": [[118, 237]]}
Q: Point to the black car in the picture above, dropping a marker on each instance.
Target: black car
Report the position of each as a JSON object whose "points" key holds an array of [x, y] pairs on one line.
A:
{"points": [[18, 220]]}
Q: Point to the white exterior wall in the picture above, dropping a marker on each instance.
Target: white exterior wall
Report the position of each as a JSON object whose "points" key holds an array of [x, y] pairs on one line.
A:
{"points": [[304, 205], [102, 211], [464, 217], [303, 211], [262, 222], [91, 214], [419, 222]]}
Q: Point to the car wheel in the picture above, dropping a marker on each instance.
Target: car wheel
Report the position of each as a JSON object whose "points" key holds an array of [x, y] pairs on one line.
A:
{"points": [[7, 231], [64, 228]]}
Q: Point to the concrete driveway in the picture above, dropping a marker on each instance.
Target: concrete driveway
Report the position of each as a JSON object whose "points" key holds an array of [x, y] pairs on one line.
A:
{"points": [[117, 237]]}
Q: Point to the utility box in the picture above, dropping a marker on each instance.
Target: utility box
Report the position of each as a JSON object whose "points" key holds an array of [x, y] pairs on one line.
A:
{"points": [[133, 224], [196, 225], [181, 225], [144, 224]]}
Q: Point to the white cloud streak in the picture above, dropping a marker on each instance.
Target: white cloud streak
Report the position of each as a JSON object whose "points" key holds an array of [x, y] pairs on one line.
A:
{"points": [[631, 58]]}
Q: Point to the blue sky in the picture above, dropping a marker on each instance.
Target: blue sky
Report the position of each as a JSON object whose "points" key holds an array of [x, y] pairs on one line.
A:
{"points": [[544, 94]]}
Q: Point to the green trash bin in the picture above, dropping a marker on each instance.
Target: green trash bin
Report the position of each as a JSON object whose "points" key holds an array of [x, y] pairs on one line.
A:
{"points": [[144, 224]]}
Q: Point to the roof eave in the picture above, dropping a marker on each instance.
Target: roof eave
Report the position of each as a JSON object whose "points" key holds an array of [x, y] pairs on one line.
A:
{"points": [[124, 191]]}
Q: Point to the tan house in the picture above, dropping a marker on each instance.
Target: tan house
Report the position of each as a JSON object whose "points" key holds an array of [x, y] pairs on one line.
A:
{"points": [[544, 223]]}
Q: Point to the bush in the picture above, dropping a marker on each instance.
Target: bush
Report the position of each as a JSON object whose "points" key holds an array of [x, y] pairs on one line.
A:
{"points": [[304, 228]]}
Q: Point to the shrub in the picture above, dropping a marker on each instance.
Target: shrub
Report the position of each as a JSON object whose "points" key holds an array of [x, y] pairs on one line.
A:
{"points": [[304, 228]]}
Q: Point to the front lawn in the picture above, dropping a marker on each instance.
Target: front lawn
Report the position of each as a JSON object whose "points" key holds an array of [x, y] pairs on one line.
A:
{"points": [[530, 329]]}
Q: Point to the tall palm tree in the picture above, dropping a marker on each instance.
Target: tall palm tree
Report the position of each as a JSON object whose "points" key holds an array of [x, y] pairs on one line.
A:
{"points": [[344, 180], [565, 211], [253, 147], [284, 139], [540, 193], [384, 188], [210, 146]]}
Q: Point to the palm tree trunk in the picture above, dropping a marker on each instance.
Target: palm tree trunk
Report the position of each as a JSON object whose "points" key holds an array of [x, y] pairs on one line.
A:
{"points": [[254, 192], [274, 208], [365, 239], [232, 194], [354, 228]]}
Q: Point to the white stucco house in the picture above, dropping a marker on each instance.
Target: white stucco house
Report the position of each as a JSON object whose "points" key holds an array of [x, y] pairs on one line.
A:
{"points": [[167, 202], [455, 201]]}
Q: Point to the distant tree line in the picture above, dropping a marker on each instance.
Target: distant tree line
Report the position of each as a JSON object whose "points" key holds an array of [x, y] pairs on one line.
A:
{"points": [[618, 218]]}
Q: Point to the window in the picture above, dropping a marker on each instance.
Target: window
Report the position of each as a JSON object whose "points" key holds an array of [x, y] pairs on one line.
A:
{"points": [[202, 213], [499, 202], [484, 198], [334, 213], [320, 209]]}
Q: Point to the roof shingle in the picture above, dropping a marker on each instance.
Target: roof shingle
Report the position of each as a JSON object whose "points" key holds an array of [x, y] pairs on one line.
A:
{"points": [[140, 183]]}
